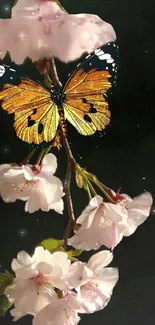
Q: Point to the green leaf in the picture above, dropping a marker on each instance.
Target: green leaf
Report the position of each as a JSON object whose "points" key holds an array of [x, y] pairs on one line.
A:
{"points": [[53, 245], [4, 305], [71, 254], [79, 179], [6, 279]]}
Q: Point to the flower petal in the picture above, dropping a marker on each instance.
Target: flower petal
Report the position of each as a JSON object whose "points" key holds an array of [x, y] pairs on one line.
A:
{"points": [[79, 274], [100, 260], [57, 206], [49, 164], [138, 211], [28, 173], [24, 258], [53, 189], [115, 212], [36, 201], [93, 204], [61, 259], [16, 314], [57, 313]]}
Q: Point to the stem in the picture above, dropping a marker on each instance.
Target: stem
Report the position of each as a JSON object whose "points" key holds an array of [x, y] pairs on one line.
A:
{"points": [[102, 189], [70, 161], [89, 193], [70, 166], [42, 154], [53, 74], [91, 188]]}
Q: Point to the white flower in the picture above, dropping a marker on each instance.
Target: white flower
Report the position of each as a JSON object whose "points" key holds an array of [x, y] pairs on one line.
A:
{"points": [[34, 184], [62, 311], [40, 29], [103, 223], [36, 278], [94, 281]]}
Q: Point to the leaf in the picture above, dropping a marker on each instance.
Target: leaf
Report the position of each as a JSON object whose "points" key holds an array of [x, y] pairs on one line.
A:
{"points": [[79, 179], [6, 279], [71, 254], [53, 245], [4, 305]]}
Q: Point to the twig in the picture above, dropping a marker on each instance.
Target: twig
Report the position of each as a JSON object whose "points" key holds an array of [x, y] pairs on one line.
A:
{"points": [[70, 167], [70, 161], [53, 74]]}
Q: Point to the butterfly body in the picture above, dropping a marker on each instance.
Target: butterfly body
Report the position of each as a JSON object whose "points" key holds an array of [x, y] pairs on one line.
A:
{"points": [[82, 101], [58, 97]]}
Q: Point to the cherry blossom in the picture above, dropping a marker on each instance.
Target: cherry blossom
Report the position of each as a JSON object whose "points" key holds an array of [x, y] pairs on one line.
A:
{"points": [[63, 310], [104, 223], [40, 29], [94, 281], [34, 184], [36, 278]]}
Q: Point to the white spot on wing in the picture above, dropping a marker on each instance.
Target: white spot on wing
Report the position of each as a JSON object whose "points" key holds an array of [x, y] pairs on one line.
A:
{"points": [[88, 56], [97, 51], [12, 70], [104, 56], [2, 70]]}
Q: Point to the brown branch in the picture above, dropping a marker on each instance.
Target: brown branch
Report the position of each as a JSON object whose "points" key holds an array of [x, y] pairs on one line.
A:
{"points": [[53, 74], [70, 166], [70, 161]]}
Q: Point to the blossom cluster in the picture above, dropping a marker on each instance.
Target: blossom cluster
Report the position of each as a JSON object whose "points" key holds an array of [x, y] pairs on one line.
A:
{"points": [[54, 291], [105, 223], [41, 29], [47, 285], [34, 184], [101, 223]]}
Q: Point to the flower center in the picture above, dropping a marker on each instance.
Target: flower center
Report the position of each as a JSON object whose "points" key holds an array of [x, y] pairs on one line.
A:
{"points": [[25, 185], [40, 282], [89, 286]]}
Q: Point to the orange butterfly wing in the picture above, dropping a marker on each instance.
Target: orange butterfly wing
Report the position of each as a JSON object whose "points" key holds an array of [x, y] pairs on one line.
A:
{"points": [[85, 106], [35, 114]]}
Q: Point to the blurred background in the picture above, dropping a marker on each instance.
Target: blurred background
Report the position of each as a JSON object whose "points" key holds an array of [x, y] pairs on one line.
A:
{"points": [[122, 156]]}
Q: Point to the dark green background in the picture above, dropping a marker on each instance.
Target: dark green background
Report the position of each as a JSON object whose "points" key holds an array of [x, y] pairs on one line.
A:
{"points": [[123, 156]]}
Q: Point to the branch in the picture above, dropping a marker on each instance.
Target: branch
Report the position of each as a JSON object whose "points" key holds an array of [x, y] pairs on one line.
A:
{"points": [[70, 166], [70, 160], [53, 74]]}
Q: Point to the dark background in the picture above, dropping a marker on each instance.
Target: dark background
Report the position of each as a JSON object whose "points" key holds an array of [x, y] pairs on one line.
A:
{"points": [[123, 156]]}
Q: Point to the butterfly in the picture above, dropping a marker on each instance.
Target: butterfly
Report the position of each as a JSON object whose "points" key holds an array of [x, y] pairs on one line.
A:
{"points": [[37, 110]]}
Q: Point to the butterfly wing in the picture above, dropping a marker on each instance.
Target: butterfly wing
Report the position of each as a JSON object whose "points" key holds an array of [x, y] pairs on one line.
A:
{"points": [[86, 107], [36, 116]]}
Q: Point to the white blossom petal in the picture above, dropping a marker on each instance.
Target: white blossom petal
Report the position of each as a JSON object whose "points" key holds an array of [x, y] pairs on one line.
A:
{"points": [[49, 164], [37, 201], [28, 173], [26, 298], [57, 313], [53, 189], [93, 205], [138, 211], [100, 260], [57, 206]]}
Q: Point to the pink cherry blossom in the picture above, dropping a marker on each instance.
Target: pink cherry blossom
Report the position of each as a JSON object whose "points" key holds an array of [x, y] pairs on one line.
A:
{"points": [[62, 311], [103, 223], [36, 278], [34, 184], [40, 29], [93, 281]]}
